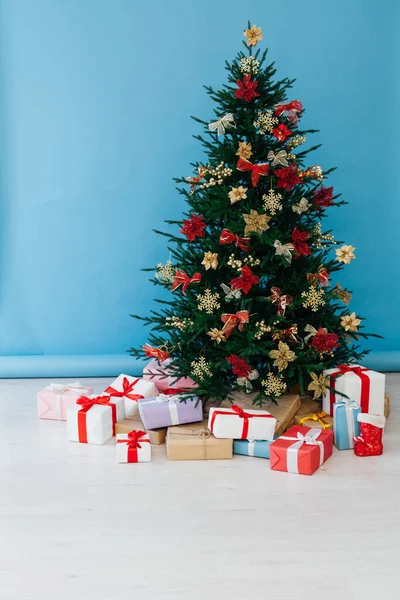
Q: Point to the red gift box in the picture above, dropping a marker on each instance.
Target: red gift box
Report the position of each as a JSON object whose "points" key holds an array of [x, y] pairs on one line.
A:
{"points": [[301, 450]]}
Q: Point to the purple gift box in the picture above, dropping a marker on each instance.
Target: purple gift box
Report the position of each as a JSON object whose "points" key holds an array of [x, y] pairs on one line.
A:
{"points": [[165, 410]]}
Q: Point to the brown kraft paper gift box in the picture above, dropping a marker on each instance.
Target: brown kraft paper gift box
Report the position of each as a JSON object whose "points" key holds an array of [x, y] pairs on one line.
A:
{"points": [[194, 441], [157, 436], [309, 406], [284, 410]]}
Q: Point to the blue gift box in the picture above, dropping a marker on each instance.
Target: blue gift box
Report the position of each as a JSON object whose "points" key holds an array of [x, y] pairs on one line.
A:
{"points": [[259, 448], [345, 424]]}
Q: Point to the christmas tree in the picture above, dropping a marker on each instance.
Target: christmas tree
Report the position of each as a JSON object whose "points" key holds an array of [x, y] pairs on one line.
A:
{"points": [[254, 303]]}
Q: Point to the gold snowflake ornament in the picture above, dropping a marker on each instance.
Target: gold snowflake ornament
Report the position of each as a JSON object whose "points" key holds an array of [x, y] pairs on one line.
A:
{"points": [[201, 368], [318, 385], [350, 322], [165, 273], [272, 202], [210, 260], [345, 254], [283, 356], [208, 302], [255, 223], [265, 121], [313, 299], [274, 385]]}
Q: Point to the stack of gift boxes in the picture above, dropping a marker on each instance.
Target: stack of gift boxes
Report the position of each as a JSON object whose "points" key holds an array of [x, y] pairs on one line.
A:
{"points": [[297, 435]]}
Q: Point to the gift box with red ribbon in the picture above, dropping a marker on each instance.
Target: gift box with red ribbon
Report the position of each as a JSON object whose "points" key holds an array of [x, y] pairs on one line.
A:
{"points": [[92, 419], [162, 376], [133, 447], [131, 389], [239, 424], [364, 386], [301, 450]]}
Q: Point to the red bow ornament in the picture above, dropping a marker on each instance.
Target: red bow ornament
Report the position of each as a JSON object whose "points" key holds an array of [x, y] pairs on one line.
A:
{"points": [[290, 109], [152, 352], [87, 404], [283, 300], [181, 279], [258, 170], [231, 321], [134, 441], [322, 277], [228, 237]]}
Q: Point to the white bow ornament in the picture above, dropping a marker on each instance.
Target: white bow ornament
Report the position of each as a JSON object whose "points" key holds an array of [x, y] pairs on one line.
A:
{"points": [[222, 124]]}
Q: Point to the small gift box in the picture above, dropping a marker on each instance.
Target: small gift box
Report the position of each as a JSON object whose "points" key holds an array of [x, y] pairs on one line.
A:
{"points": [[345, 423], [236, 423], [133, 447], [196, 442], [162, 376], [258, 448], [169, 409], [131, 389], [92, 419], [54, 400], [362, 385], [157, 436], [301, 450]]}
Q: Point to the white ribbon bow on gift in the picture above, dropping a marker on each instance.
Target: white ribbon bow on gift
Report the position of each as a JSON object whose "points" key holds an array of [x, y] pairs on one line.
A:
{"points": [[350, 406], [59, 389], [222, 124], [292, 452], [172, 406]]}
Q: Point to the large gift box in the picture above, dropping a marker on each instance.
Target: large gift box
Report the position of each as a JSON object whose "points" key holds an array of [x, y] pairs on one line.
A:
{"points": [[162, 376], [236, 423], [131, 389], [301, 450], [362, 385], [157, 436], [258, 448], [92, 419], [54, 400], [311, 415], [284, 410], [194, 441], [169, 409], [133, 447], [345, 423]]}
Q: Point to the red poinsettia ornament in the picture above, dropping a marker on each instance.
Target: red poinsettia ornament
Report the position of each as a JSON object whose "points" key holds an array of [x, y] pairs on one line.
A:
{"points": [[325, 342], [246, 280], [247, 88], [299, 238], [281, 132], [323, 197], [241, 367], [288, 177], [193, 227]]}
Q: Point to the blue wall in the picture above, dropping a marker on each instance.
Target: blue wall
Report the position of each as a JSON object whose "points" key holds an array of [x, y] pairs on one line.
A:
{"points": [[96, 97]]}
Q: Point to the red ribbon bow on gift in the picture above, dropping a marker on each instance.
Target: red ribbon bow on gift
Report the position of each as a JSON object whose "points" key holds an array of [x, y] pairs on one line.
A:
{"points": [[365, 385], [133, 442], [234, 320], [256, 170], [228, 237], [322, 277], [184, 280], [151, 352], [126, 390], [87, 404], [240, 413], [283, 300], [291, 109]]}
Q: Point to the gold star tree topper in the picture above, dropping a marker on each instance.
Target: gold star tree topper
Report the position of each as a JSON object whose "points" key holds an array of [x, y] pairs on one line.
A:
{"points": [[255, 223]]}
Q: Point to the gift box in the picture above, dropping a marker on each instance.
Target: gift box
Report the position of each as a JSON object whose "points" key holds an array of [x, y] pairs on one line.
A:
{"points": [[311, 415], [133, 447], [258, 448], [157, 436], [131, 389], [92, 419], [362, 385], [284, 410], [169, 409], [54, 400], [301, 450], [236, 423], [161, 375], [194, 441], [345, 423]]}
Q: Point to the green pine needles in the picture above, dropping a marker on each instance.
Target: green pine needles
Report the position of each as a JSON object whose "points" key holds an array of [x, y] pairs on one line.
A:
{"points": [[255, 304]]}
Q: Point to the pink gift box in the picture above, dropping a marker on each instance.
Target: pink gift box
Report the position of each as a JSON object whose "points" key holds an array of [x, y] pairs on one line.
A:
{"points": [[159, 373], [54, 400]]}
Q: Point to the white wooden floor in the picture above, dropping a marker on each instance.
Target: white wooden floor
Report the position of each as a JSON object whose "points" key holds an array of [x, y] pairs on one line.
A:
{"points": [[76, 525]]}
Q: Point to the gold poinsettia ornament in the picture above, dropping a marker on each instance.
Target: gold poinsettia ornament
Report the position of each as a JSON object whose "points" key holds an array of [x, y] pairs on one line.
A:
{"points": [[210, 260], [350, 322], [255, 223], [253, 35], [345, 254], [244, 150], [318, 385], [217, 335], [283, 356], [237, 194]]}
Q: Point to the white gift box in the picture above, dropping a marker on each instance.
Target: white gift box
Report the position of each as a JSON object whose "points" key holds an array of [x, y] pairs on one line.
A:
{"points": [[131, 389], [94, 424], [238, 424], [133, 450], [361, 385]]}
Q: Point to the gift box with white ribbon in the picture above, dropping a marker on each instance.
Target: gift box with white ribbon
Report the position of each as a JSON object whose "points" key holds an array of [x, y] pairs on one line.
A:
{"points": [[54, 400], [169, 409], [301, 450], [345, 424]]}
